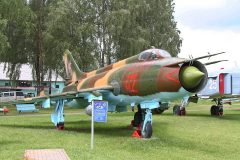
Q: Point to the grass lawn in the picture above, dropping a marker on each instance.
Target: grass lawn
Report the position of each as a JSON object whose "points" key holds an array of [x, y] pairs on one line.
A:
{"points": [[195, 136]]}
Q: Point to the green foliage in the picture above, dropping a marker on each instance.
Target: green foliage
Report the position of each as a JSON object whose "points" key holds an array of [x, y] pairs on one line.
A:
{"points": [[15, 29], [3, 38], [97, 32], [70, 26]]}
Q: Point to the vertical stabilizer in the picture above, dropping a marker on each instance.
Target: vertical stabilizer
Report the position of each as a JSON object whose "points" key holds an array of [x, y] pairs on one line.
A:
{"points": [[72, 69]]}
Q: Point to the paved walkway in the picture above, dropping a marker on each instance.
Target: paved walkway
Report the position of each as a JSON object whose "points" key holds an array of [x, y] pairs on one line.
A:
{"points": [[46, 154]]}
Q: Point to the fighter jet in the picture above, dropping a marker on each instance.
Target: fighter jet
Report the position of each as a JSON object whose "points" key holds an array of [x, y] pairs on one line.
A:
{"points": [[222, 87], [148, 80]]}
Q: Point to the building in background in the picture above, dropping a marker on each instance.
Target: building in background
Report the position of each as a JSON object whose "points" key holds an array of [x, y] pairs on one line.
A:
{"points": [[27, 84]]}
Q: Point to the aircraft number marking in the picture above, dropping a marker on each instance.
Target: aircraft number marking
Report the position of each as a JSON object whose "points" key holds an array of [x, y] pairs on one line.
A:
{"points": [[213, 84], [130, 83]]}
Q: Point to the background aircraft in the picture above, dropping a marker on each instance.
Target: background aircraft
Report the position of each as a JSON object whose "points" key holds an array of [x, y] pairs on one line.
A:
{"points": [[149, 80], [222, 87]]}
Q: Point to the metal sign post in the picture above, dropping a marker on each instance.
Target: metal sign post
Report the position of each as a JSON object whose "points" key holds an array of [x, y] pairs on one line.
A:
{"points": [[92, 126], [99, 114]]}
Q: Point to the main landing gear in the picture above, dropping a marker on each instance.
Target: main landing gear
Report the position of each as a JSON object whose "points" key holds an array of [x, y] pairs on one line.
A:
{"points": [[57, 116], [217, 110], [143, 122], [180, 110]]}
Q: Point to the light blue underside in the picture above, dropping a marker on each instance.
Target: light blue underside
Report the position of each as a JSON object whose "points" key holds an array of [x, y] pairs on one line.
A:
{"points": [[150, 102], [119, 103]]}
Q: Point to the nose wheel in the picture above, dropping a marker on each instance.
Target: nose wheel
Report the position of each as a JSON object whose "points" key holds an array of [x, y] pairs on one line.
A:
{"points": [[147, 130], [178, 110], [217, 110], [143, 122]]}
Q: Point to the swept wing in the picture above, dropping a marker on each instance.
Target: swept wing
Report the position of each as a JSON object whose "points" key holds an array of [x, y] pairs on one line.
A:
{"points": [[65, 95]]}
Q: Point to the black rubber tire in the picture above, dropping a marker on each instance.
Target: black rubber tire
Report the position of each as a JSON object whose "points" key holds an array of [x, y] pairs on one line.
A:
{"points": [[176, 110], [182, 111], [147, 130], [137, 119], [60, 126], [214, 110]]}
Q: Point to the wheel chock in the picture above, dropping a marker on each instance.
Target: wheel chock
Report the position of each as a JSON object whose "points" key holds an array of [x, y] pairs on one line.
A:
{"points": [[137, 133], [5, 110]]}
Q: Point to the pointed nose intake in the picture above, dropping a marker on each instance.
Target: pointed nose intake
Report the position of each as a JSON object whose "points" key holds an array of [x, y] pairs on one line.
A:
{"points": [[191, 76]]}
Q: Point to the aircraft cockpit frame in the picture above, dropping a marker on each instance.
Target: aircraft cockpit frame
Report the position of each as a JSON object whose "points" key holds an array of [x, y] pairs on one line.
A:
{"points": [[153, 54]]}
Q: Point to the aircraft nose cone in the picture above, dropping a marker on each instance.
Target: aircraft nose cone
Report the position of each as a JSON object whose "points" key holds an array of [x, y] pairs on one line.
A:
{"points": [[191, 76]]}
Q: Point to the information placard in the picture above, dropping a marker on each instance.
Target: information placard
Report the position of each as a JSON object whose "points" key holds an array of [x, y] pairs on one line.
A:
{"points": [[100, 109]]}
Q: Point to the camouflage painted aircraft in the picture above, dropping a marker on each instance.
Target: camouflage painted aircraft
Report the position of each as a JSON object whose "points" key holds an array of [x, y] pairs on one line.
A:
{"points": [[149, 80]]}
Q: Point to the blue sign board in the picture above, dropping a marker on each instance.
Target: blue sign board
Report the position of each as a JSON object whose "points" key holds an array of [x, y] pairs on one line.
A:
{"points": [[100, 109]]}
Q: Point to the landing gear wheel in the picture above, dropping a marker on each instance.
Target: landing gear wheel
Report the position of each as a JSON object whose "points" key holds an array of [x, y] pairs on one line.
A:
{"points": [[60, 126], [216, 110], [182, 111], [147, 131], [137, 119], [176, 110]]}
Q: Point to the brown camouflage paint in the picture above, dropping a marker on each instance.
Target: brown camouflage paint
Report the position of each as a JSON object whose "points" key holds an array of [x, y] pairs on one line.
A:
{"points": [[134, 79]]}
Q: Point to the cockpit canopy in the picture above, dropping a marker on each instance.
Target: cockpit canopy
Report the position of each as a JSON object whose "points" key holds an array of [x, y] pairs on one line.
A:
{"points": [[152, 54]]}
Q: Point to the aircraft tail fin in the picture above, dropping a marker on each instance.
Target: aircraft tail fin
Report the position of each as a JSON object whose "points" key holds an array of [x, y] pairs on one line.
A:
{"points": [[72, 70]]}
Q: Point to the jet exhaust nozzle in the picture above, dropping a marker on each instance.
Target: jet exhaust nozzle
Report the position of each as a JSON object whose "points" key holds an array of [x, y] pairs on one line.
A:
{"points": [[193, 77]]}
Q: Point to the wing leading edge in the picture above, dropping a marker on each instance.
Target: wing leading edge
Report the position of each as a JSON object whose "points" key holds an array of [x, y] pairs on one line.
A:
{"points": [[65, 95]]}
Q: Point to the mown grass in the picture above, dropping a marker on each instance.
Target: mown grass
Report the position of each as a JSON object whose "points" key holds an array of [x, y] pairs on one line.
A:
{"points": [[195, 136]]}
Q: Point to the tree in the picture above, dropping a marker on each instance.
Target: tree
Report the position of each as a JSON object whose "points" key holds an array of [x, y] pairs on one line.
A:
{"points": [[39, 58], [15, 29], [139, 24], [3, 38], [97, 32], [70, 26]]}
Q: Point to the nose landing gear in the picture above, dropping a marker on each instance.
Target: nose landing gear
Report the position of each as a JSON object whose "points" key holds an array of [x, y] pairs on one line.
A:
{"points": [[217, 110], [143, 122]]}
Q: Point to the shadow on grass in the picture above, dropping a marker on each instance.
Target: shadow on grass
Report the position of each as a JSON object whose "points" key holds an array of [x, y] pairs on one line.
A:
{"points": [[227, 116], [83, 126]]}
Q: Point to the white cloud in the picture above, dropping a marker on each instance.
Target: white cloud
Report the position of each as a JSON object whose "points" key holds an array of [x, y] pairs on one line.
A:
{"points": [[210, 26], [183, 5], [198, 42], [213, 13]]}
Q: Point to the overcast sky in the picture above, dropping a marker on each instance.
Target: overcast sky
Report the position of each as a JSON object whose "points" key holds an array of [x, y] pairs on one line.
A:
{"points": [[210, 26]]}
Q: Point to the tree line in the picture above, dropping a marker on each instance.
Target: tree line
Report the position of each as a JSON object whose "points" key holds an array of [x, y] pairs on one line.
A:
{"points": [[97, 32]]}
